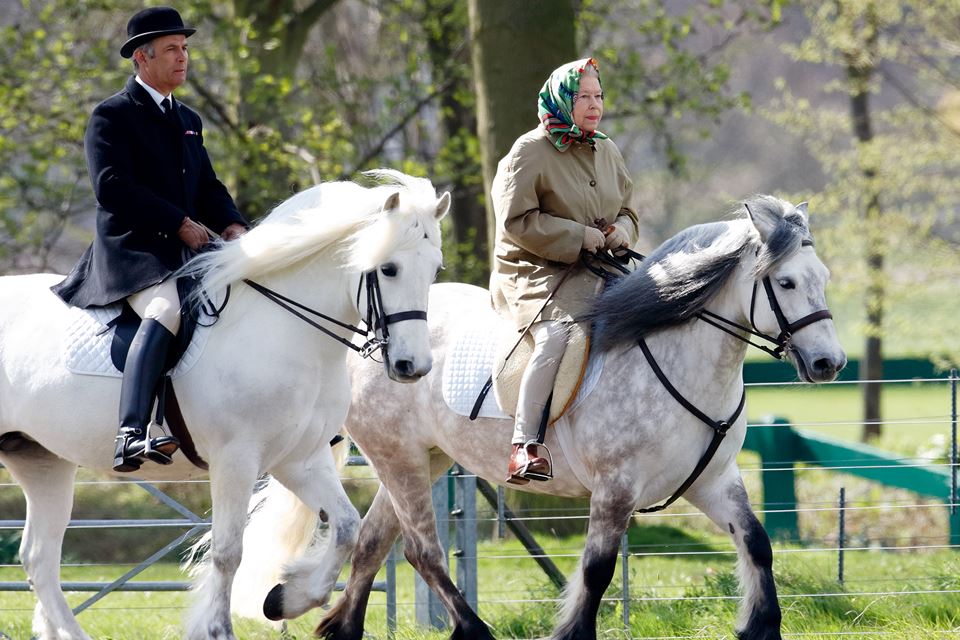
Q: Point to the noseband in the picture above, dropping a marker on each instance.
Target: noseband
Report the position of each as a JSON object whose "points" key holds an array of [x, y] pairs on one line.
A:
{"points": [[376, 320], [784, 340]]}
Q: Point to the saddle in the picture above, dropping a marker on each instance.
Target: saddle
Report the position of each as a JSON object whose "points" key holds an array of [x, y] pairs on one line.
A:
{"points": [[509, 367], [96, 331]]}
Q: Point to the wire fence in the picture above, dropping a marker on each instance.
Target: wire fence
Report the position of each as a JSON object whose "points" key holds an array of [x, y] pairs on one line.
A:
{"points": [[871, 519]]}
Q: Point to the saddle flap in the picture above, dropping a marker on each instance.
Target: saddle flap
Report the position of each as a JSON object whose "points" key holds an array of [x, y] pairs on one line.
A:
{"points": [[508, 371]]}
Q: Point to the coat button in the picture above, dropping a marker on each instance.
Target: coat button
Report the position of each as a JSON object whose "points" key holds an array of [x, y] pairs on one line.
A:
{"points": [[593, 183]]}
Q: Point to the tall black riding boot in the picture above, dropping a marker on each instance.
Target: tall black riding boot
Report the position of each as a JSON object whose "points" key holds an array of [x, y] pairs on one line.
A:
{"points": [[144, 366]]}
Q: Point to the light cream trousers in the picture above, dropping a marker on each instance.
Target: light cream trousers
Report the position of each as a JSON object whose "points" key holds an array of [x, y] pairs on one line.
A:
{"points": [[550, 340], [160, 302]]}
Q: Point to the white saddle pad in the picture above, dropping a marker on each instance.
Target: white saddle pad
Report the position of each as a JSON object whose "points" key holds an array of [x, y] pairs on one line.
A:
{"points": [[87, 343], [469, 364]]}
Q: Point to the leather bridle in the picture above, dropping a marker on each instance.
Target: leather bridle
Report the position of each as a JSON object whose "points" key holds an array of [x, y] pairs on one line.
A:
{"points": [[783, 342], [376, 321]]}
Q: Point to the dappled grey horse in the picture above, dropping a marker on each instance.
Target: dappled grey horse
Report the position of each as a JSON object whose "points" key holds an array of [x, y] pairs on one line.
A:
{"points": [[630, 443]]}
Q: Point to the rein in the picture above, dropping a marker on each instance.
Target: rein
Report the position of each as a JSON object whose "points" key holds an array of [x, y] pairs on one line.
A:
{"points": [[376, 321], [720, 428]]}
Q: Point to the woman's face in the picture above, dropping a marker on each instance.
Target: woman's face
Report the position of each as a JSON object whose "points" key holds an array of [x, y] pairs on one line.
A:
{"points": [[588, 104]]}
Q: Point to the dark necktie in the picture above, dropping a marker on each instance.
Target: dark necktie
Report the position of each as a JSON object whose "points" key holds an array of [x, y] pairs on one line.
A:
{"points": [[168, 110]]}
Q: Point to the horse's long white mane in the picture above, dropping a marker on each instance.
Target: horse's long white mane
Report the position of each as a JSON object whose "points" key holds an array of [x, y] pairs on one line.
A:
{"points": [[339, 221]]}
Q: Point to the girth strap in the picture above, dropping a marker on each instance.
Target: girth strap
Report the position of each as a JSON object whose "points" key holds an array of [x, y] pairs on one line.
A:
{"points": [[719, 427]]}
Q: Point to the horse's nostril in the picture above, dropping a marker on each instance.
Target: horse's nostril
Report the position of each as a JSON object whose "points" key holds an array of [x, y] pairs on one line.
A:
{"points": [[405, 367], [824, 366]]}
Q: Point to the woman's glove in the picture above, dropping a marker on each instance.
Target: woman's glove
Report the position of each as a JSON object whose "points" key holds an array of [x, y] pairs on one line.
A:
{"points": [[592, 239], [617, 238]]}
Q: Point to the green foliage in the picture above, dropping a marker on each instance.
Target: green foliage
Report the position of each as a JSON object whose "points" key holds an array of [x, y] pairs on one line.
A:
{"points": [[666, 81], [55, 70], [886, 220]]}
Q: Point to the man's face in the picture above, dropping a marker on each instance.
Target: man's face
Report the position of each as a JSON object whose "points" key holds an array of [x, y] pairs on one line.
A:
{"points": [[167, 69]]}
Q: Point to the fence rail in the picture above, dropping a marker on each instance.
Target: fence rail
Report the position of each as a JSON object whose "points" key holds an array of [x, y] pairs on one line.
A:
{"points": [[785, 453]]}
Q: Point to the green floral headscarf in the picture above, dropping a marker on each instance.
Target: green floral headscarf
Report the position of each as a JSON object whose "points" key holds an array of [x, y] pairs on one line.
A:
{"points": [[555, 106]]}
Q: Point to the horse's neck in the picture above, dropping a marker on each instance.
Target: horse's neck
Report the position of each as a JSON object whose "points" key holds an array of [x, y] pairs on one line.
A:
{"points": [[323, 288], [699, 358]]}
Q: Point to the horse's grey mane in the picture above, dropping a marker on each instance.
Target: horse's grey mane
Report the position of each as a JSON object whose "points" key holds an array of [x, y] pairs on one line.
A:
{"points": [[681, 276]]}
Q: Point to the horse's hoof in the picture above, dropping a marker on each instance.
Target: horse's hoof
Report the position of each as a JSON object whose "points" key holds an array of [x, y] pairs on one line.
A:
{"points": [[273, 604]]}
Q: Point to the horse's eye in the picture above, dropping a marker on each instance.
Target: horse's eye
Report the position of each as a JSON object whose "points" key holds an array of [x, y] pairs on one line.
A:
{"points": [[389, 270], [786, 283]]}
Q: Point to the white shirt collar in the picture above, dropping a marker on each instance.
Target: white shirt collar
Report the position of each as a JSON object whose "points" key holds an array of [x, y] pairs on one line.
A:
{"points": [[156, 95]]}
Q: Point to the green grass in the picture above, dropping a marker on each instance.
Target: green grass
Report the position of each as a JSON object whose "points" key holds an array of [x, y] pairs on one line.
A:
{"points": [[706, 580], [915, 411]]}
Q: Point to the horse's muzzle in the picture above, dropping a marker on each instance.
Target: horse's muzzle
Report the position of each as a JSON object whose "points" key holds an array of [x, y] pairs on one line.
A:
{"points": [[820, 367], [407, 370]]}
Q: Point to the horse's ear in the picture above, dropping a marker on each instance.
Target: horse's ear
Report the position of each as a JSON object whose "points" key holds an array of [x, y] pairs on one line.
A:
{"points": [[760, 222], [802, 210], [392, 202], [443, 205]]}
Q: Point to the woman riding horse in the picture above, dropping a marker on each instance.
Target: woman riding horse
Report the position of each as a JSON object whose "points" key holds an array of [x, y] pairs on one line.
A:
{"points": [[551, 192]]}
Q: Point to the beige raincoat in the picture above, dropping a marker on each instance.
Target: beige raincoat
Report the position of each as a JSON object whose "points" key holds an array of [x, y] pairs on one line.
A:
{"points": [[543, 198]]}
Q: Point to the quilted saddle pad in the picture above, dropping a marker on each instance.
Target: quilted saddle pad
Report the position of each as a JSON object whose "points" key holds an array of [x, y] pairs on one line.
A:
{"points": [[87, 343]]}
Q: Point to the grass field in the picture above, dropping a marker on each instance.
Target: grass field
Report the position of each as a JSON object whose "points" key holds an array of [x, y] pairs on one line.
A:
{"points": [[688, 596]]}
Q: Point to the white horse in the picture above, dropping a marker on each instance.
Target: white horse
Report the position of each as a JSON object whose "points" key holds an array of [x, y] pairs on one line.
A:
{"points": [[266, 396], [630, 443]]}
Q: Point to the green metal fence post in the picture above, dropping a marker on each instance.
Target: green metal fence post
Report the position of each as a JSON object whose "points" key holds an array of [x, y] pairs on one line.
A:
{"points": [[774, 439]]}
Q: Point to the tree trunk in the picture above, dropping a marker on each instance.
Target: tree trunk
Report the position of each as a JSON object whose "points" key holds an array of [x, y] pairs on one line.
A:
{"points": [[458, 121], [860, 71], [515, 47], [278, 37]]}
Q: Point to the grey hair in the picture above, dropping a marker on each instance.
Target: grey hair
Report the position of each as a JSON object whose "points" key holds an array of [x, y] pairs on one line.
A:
{"points": [[684, 273], [147, 49]]}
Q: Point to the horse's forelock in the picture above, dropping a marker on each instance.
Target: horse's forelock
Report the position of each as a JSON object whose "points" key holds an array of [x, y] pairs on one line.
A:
{"points": [[411, 223], [790, 232]]}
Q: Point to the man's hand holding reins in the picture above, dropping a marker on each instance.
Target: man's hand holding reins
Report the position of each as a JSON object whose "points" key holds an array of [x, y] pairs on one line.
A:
{"points": [[193, 234]]}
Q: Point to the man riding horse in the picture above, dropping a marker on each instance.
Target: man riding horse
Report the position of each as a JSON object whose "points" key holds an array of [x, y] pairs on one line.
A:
{"points": [[157, 196]]}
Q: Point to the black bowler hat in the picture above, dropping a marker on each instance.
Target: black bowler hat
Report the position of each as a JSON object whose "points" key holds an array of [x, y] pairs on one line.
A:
{"points": [[152, 23]]}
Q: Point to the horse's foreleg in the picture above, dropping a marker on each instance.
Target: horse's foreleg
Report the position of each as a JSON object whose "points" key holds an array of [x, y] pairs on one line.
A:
{"points": [[727, 505], [378, 532], [47, 483], [610, 511], [232, 476], [308, 582]]}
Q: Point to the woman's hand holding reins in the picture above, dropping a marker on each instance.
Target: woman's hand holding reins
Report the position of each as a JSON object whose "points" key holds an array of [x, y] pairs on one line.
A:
{"points": [[592, 239], [616, 239]]}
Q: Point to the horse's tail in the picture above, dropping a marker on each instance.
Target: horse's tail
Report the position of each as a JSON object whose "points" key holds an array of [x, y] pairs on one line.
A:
{"points": [[280, 528]]}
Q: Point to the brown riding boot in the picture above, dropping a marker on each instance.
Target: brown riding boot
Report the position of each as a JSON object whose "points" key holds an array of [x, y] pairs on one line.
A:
{"points": [[526, 465]]}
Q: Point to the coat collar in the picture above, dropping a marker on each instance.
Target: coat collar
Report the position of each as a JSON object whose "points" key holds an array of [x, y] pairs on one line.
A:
{"points": [[145, 102]]}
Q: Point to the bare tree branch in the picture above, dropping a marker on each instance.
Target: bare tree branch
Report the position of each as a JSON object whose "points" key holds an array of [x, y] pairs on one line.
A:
{"points": [[374, 151]]}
